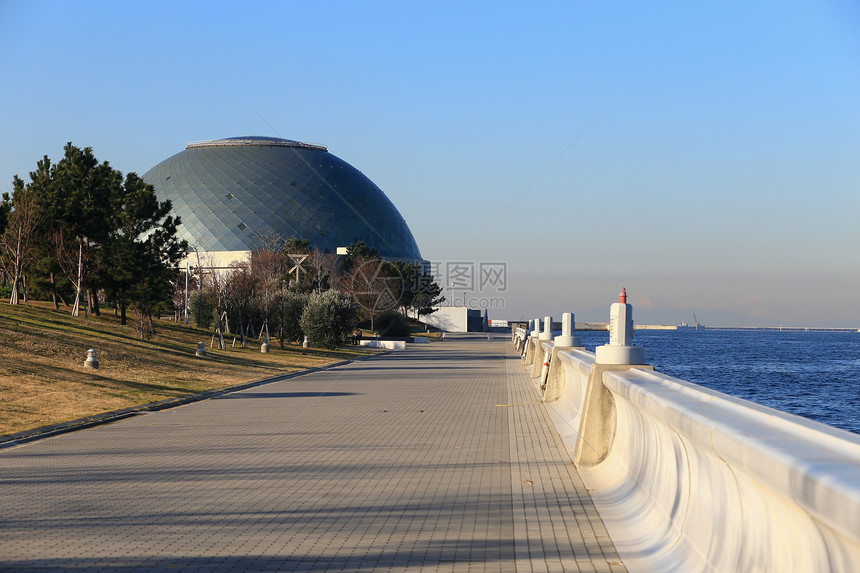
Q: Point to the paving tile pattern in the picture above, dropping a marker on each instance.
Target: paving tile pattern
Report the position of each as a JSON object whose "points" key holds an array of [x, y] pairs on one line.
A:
{"points": [[437, 458]]}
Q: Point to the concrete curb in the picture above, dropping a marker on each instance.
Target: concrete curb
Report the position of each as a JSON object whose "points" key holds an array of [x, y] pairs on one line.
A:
{"points": [[18, 438]]}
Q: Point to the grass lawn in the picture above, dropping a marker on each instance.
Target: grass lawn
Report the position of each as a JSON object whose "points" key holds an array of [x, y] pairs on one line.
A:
{"points": [[43, 379]]}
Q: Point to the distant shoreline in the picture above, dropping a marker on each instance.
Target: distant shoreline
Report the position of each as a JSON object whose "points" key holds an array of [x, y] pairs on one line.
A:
{"points": [[747, 328], [601, 326]]}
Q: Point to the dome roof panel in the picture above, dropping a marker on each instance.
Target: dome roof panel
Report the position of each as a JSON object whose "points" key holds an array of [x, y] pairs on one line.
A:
{"points": [[277, 186]]}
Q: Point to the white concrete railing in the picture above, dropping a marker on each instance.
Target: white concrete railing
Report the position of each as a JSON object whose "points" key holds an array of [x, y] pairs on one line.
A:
{"points": [[688, 479], [520, 334]]}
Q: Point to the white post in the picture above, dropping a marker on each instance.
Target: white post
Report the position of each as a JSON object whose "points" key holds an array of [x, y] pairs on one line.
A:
{"points": [[620, 349], [567, 327], [536, 330], [547, 329]]}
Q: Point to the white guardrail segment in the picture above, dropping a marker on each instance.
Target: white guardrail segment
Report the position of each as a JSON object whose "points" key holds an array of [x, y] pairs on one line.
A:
{"points": [[694, 480], [564, 401]]}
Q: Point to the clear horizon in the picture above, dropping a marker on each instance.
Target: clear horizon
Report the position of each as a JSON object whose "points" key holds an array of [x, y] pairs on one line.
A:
{"points": [[703, 156]]}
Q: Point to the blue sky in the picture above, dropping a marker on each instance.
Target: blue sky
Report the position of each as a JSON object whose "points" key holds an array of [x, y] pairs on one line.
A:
{"points": [[704, 155]]}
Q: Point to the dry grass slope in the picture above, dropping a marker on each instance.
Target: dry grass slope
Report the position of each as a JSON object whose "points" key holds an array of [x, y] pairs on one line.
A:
{"points": [[43, 379]]}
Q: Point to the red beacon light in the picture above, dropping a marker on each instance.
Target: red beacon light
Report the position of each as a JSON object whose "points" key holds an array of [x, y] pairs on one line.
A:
{"points": [[623, 296]]}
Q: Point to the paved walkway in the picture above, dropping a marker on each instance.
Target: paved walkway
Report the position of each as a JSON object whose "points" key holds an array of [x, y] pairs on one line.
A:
{"points": [[436, 458]]}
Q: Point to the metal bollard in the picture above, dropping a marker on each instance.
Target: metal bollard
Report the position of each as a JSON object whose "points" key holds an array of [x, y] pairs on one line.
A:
{"points": [[92, 360]]}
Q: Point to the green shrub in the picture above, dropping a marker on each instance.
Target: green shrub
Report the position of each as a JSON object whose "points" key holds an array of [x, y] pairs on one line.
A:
{"points": [[391, 324], [201, 310], [289, 308], [328, 318]]}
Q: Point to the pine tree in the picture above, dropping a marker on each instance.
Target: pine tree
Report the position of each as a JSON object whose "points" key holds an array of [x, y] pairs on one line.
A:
{"points": [[76, 203], [142, 251]]}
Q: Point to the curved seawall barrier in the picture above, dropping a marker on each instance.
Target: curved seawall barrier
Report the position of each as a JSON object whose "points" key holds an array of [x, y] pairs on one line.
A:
{"points": [[688, 479]]}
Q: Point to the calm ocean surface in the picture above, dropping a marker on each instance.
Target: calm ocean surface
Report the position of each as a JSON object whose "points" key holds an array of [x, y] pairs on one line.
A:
{"points": [[811, 374]]}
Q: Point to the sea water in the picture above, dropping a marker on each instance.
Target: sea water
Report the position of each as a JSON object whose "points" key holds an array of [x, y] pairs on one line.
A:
{"points": [[811, 374]]}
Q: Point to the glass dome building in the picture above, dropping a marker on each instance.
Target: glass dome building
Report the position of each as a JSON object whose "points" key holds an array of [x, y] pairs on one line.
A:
{"points": [[231, 192]]}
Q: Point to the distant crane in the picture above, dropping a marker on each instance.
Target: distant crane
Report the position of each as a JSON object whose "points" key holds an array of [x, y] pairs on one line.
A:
{"points": [[695, 326]]}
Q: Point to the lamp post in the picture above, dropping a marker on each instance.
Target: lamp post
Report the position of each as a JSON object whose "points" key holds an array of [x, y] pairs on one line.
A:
{"points": [[200, 294], [187, 270]]}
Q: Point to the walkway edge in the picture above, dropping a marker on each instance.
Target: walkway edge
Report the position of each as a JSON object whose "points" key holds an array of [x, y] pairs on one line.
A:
{"points": [[18, 438]]}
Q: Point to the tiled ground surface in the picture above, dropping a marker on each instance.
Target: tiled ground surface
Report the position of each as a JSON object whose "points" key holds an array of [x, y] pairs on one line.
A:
{"points": [[437, 458]]}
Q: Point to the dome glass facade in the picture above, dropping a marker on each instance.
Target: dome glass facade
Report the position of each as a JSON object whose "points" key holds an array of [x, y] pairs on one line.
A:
{"points": [[231, 192]]}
